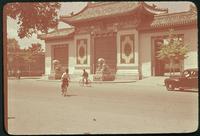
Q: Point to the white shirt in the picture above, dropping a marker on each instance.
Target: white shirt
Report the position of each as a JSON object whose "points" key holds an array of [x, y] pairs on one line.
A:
{"points": [[65, 75]]}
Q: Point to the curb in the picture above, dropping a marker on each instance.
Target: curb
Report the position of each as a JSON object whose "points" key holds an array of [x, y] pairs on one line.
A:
{"points": [[22, 78]]}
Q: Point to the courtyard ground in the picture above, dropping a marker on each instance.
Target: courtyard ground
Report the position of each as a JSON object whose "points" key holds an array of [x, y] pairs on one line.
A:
{"points": [[37, 107]]}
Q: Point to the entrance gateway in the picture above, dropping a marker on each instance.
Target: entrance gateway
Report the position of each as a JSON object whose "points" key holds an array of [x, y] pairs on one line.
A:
{"points": [[104, 26], [61, 54], [105, 47], [132, 56]]}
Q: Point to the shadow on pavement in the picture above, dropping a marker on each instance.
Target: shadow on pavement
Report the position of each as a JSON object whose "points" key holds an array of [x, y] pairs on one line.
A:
{"points": [[69, 95]]}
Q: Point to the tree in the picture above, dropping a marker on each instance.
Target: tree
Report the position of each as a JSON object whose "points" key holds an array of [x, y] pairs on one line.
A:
{"points": [[12, 44], [30, 55], [173, 51], [35, 48], [12, 56], [33, 16]]}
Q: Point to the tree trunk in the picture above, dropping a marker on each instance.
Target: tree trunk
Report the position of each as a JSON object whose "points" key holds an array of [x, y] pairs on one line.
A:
{"points": [[173, 63], [181, 66], [29, 69], [173, 69], [170, 67]]}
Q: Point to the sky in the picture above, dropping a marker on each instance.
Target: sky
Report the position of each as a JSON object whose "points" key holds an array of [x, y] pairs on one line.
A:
{"points": [[68, 7]]}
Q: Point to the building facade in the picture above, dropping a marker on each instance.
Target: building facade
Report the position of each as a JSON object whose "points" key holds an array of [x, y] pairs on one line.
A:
{"points": [[125, 34]]}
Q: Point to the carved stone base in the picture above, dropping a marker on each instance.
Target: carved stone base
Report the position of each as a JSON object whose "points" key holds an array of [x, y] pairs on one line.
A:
{"points": [[97, 77], [54, 76], [108, 77], [103, 77]]}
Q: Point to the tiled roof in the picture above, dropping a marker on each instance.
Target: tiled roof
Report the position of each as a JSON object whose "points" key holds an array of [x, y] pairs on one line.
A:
{"points": [[103, 9], [58, 33], [161, 20], [180, 18]]}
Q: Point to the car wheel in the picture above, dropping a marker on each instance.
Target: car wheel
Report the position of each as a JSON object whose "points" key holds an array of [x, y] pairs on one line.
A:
{"points": [[170, 87]]}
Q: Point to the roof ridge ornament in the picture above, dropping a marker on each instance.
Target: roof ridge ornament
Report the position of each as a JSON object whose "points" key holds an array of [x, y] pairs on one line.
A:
{"points": [[98, 3], [72, 13], [155, 7], [193, 8]]}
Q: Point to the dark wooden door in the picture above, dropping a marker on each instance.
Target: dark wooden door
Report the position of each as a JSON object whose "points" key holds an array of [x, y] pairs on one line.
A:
{"points": [[61, 54], [105, 47], [159, 65]]}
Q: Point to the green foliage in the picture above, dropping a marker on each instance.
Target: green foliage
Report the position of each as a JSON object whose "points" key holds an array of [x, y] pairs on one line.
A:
{"points": [[32, 52], [12, 44], [13, 58], [33, 16], [24, 59], [173, 50]]}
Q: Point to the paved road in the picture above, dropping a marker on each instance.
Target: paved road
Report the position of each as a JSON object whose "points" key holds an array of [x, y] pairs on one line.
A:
{"points": [[37, 107]]}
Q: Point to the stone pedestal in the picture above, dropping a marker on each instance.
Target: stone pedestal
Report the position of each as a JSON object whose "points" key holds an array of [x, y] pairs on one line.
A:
{"points": [[58, 70], [103, 72], [103, 77], [56, 75]]}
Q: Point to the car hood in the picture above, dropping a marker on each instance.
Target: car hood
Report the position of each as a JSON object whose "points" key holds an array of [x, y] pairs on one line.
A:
{"points": [[175, 78]]}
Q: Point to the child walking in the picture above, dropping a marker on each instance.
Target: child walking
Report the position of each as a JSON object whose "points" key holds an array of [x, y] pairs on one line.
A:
{"points": [[65, 82]]}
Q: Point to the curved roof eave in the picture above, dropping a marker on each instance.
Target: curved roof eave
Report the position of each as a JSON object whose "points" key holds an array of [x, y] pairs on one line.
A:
{"points": [[148, 8], [57, 34], [94, 18], [75, 13]]}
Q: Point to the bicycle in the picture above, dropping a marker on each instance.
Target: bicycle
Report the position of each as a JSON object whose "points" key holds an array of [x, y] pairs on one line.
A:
{"points": [[83, 82]]}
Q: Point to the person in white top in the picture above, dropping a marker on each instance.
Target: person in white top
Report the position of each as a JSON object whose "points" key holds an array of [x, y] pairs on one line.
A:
{"points": [[18, 74], [65, 82]]}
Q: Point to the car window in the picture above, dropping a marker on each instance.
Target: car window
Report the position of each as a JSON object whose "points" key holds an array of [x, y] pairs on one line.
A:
{"points": [[186, 73], [194, 73]]}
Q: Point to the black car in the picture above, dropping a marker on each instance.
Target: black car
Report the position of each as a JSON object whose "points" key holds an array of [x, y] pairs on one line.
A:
{"points": [[187, 80]]}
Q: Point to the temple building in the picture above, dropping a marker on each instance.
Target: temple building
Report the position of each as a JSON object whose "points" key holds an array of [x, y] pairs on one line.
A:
{"points": [[125, 34]]}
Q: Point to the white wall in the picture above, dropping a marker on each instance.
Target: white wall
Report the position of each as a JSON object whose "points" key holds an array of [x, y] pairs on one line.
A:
{"points": [[127, 69], [47, 59], [72, 56], [190, 38], [126, 32], [78, 68], [145, 53]]}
